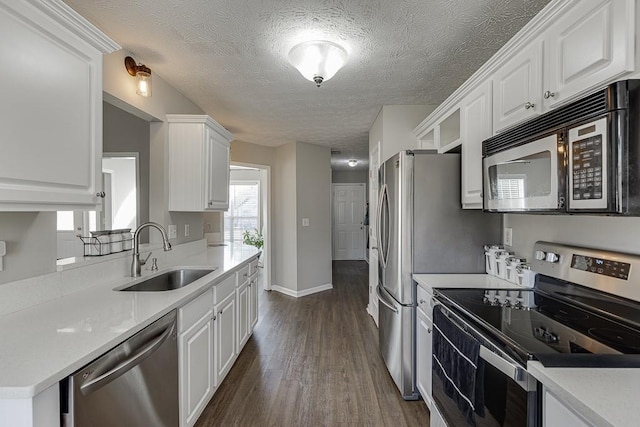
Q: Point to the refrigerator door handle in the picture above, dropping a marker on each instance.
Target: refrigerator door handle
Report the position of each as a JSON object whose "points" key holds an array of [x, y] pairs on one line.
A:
{"points": [[383, 300], [385, 204], [379, 228]]}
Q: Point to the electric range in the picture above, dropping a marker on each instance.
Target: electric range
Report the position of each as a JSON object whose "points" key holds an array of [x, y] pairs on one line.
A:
{"points": [[583, 310]]}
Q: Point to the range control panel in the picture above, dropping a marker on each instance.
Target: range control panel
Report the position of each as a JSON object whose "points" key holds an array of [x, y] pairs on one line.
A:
{"points": [[607, 271], [606, 267]]}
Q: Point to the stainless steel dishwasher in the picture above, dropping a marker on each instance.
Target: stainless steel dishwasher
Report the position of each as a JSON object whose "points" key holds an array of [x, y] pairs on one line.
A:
{"points": [[134, 384]]}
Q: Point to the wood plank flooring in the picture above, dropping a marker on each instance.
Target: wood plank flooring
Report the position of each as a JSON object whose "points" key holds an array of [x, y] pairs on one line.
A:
{"points": [[314, 361]]}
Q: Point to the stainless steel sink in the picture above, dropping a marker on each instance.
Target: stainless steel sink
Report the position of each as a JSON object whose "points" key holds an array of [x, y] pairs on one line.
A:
{"points": [[174, 279]]}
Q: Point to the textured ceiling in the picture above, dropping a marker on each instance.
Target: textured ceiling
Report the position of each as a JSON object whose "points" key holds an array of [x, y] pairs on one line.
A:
{"points": [[230, 57]]}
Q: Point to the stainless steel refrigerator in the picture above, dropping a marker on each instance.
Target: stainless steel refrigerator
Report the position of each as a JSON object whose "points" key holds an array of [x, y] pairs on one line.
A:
{"points": [[421, 229]]}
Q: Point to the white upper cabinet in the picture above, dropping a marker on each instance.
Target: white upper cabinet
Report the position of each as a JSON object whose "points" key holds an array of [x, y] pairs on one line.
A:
{"points": [[589, 44], [198, 163], [475, 124], [517, 88], [51, 107], [592, 43]]}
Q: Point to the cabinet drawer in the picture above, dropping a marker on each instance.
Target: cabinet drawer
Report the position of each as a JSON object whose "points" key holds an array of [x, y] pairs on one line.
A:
{"points": [[193, 311], [425, 302], [243, 275], [253, 267], [223, 289]]}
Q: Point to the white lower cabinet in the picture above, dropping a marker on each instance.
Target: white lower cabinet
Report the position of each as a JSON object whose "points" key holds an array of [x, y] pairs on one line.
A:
{"points": [[555, 413], [424, 327], [435, 419], [243, 315], [197, 373], [253, 301], [225, 336]]}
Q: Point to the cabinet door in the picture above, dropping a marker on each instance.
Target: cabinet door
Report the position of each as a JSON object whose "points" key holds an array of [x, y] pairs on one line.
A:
{"points": [[555, 413], [476, 126], [424, 355], [243, 316], [197, 375], [435, 419], [50, 113], [517, 88], [253, 302], [591, 45], [218, 181], [225, 349]]}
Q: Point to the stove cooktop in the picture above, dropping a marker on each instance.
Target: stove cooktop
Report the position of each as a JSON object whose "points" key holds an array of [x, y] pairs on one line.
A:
{"points": [[547, 326]]}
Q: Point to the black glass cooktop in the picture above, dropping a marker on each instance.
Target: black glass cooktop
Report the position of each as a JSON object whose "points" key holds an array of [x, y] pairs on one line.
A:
{"points": [[537, 325]]}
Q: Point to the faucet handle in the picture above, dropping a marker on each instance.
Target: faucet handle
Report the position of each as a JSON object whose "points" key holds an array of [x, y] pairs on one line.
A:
{"points": [[146, 259], [154, 264]]}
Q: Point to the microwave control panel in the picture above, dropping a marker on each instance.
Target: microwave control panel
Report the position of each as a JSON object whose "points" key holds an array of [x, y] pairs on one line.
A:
{"points": [[587, 168]]}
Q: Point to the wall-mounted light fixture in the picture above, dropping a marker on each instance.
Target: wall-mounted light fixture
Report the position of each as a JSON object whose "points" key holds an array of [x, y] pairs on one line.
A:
{"points": [[318, 60], [352, 163], [142, 73]]}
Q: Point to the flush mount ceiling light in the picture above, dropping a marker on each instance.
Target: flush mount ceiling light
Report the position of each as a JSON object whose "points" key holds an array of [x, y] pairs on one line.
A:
{"points": [[142, 73], [352, 163], [318, 60]]}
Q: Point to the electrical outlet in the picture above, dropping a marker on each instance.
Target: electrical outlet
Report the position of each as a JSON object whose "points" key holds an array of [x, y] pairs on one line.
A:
{"points": [[173, 232], [186, 230], [305, 222], [508, 236]]}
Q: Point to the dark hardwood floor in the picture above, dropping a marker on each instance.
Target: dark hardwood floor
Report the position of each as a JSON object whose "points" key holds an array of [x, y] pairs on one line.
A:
{"points": [[314, 361]]}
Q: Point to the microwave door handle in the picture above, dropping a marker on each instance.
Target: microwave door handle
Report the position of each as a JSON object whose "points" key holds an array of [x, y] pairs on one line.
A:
{"points": [[508, 162], [512, 371]]}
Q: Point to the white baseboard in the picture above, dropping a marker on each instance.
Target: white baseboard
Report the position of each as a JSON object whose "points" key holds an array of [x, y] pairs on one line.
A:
{"points": [[303, 293]]}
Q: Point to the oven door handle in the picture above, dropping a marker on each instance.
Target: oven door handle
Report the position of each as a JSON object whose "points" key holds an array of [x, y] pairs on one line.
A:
{"points": [[512, 371]]}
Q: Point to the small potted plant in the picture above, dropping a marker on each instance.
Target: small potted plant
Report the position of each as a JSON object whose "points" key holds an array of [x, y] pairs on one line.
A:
{"points": [[253, 238]]}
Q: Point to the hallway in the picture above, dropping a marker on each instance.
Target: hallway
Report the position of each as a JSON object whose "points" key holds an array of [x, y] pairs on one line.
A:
{"points": [[314, 361]]}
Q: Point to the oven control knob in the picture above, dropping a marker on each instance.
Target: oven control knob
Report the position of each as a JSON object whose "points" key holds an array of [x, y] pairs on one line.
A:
{"points": [[552, 257], [541, 255]]}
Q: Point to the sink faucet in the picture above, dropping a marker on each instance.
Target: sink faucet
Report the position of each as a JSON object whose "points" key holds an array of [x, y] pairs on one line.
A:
{"points": [[136, 262]]}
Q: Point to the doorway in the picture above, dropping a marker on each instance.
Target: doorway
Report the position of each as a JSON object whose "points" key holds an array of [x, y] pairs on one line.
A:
{"points": [[349, 221]]}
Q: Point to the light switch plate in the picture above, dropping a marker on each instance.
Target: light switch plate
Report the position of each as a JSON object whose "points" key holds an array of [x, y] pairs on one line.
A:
{"points": [[3, 252], [508, 236], [305, 222], [186, 230], [173, 231]]}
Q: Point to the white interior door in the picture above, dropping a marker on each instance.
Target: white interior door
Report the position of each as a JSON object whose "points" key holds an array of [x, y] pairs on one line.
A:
{"points": [[348, 221]]}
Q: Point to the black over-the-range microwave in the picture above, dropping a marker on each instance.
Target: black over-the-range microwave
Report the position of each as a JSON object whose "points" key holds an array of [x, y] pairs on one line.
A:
{"points": [[583, 157]]}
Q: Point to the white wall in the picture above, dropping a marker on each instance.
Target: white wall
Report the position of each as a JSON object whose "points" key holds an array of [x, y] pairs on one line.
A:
{"points": [[285, 243], [398, 122], [611, 233], [119, 90], [313, 189]]}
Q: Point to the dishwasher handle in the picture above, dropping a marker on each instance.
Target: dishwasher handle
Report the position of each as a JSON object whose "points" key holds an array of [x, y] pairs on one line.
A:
{"points": [[124, 366]]}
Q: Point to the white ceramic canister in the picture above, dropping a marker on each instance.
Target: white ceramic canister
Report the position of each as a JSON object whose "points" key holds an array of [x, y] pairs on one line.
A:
{"points": [[525, 276], [501, 263], [102, 245], [511, 264], [115, 237], [490, 259], [127, 239]]}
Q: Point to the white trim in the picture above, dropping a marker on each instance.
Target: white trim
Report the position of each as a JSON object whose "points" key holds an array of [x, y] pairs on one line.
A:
{"points": [[303, 293]]}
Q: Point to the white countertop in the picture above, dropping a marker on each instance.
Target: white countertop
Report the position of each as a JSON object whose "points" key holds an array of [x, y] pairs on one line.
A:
{"points": [[43, 344], [479, 281], [603, 396]]}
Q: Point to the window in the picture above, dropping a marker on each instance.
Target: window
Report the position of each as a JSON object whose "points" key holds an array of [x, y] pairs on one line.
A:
{"points": [[511, 186], [244, 209]]}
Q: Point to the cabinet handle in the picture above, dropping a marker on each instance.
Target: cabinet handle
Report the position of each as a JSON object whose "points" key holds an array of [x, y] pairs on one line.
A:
{"points": [[529, 106], [215, 318], [101, 194], [548, 94], [220, 312], [428, 330], [210, 203], [422, 301]]}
